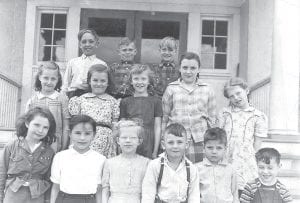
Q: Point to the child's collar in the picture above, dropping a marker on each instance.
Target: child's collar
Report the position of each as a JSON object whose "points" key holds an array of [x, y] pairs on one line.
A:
{"points": [[222, 162], [52, 96], [83, 56]]}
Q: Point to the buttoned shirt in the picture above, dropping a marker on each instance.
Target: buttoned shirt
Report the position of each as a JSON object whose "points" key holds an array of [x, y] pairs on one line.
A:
{"points": [[75, 76], [77, 173], [20, 166], [164, 74], [173, 188], [195, 109], [218, 182], [121, 74]]}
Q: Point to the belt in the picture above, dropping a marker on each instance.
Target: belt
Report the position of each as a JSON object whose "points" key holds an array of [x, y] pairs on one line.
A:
{"points": [[77, 196]]}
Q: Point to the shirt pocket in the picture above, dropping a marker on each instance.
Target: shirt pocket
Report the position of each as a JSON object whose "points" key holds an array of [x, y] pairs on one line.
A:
{"points": [[16, 164], [44, 162]]}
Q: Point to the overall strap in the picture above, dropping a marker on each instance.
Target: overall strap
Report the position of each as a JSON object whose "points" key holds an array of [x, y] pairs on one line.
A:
{"points": [[161, 171]]}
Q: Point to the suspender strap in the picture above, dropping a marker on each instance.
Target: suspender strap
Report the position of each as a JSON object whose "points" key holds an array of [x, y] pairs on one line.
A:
{"points": [[161, 171], [188, 178]]}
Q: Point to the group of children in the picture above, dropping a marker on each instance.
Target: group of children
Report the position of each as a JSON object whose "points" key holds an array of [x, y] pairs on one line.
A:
{"points": [[121, 116]]}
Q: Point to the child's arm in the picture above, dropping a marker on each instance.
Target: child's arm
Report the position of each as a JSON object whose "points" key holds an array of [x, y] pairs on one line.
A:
{"points": [[54, 192], [65, 116], [260, 130], [4, 164], [99, 194], [212, 107], [167, 106], [67, 78], [27, 106], [194, 191], [149, 183], [105, 194], [234, 188], [157, 131]]}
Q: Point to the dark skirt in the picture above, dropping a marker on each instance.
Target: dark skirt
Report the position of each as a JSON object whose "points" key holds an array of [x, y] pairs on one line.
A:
{"points": [[22, 195], [75, 198]]}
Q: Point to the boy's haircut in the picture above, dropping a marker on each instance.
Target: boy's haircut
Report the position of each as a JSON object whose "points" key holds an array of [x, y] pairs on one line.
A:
{"points": [[75, 120], [190, 56], [125, 42], [235, 81], [136, 122], [266, 154], [176, 129], [215, 134], [91, 31], [21, 128], [138, 69], [169, 42], [51, 65], [101, 69]]}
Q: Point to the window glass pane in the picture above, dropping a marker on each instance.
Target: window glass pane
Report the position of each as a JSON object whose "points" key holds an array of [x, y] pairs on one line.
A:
{"points": [[220, 61], [59, 37], [60, 21], [108, 27], [207, 27], [58, 54], [44, 53], [207, 60], [221, 44], [207, 44], [221, 28], [45, 37], [46, 20], [160, 29]]}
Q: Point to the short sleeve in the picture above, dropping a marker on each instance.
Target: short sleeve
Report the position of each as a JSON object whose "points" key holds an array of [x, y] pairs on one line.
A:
{"points": [[56, 169], [115, 110], [261, 126], [123, 108], [158, 108], [75, 105], [65, 103], [105, 174]]}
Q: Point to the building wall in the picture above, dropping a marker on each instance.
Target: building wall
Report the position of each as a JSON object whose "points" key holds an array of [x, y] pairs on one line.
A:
{"points": [[260, 38], [12, 24]]}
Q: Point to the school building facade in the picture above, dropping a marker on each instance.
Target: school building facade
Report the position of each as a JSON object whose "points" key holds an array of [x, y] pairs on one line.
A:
{"points": [[254, 39]]}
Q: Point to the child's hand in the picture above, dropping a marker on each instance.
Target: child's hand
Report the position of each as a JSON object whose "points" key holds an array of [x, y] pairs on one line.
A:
{"points": [[154, 155]]}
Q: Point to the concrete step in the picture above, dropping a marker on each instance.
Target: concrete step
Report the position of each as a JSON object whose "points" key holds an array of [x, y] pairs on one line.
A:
{"points": [[290, 162], [288, 145]]}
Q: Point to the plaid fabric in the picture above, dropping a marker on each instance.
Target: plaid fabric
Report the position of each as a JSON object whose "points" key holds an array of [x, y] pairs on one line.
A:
{"points": [[165, 73], [195, 151], [195, 110], [121, 74]]}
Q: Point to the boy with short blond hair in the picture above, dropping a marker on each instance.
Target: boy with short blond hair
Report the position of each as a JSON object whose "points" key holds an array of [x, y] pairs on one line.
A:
{"points": [[266, 188], [172, 177], [217, 177]]}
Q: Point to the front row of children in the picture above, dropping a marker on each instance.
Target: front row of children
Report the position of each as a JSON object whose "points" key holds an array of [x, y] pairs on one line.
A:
{"points": [[79, 174]]}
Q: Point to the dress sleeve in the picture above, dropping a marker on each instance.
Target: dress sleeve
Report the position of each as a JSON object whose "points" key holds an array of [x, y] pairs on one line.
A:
{"points": [[105, 175], [212, 106], [247, 194], [158, 108], [261, 126], [167, 105], [115, 110], [56, 169], [4, 164], [75, 105]]}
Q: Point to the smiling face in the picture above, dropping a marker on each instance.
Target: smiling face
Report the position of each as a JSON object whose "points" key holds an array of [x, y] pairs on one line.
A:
{"points": [[88, 44], [268, 172], [189, 68], [129, 139], [99, 82], [49, 80], [214, 151], [238, 96], [140, 82], [81, 136], [175, 146], [127, 52], [167, 54], [38, 128]]}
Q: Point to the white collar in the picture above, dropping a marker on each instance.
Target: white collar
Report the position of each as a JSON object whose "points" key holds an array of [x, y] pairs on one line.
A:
{"points": [[52, 96], [83, 57]]}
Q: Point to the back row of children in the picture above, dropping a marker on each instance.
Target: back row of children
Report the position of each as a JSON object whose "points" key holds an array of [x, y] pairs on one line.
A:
{"points": [[187, 101]]}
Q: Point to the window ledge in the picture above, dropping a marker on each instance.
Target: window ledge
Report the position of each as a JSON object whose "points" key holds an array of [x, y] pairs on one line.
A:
{"points": [[210, 73]]}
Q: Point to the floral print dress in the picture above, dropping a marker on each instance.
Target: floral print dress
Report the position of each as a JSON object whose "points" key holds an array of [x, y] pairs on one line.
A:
{"points": [[242, 127], [104, 109]]}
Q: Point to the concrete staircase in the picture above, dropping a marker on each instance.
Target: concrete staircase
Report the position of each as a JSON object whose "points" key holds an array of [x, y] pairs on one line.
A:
{"points": [[289, 148]]}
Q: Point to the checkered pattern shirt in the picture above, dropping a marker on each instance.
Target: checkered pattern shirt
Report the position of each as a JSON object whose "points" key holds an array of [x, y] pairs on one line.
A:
{"points": [[195, 109]]}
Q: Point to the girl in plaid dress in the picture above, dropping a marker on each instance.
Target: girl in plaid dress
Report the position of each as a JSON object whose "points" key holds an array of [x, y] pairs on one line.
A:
{"points": [[191, 103]]}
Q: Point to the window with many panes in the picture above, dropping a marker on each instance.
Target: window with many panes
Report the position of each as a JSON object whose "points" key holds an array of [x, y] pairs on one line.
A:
{"points": [[52, 36], [214, 43]]}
